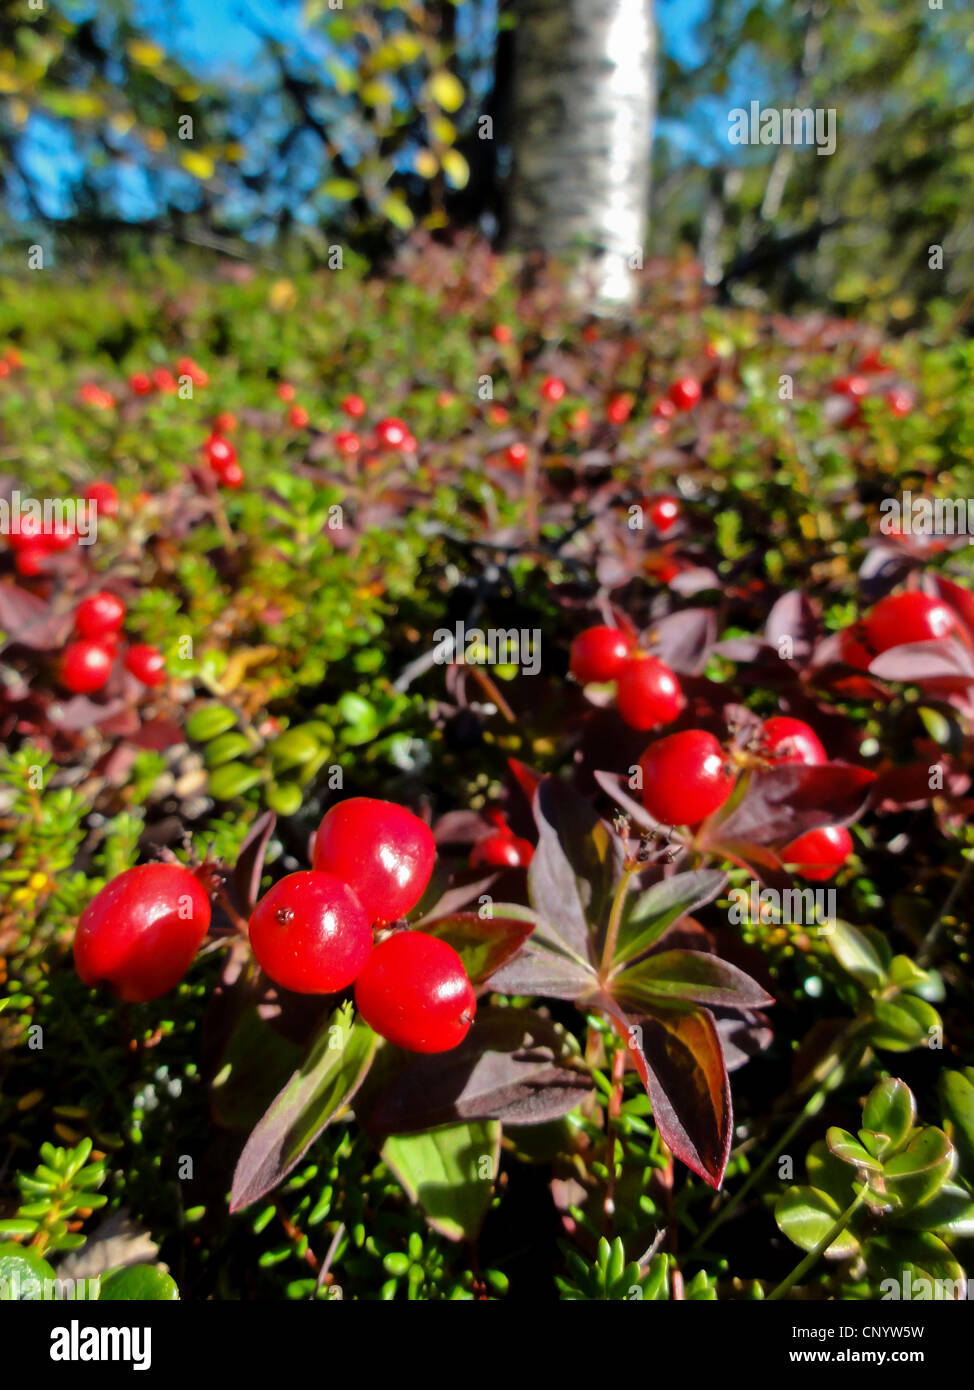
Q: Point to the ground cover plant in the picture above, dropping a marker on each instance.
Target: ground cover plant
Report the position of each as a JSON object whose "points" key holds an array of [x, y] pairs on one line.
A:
{"points": [[422, 797]]}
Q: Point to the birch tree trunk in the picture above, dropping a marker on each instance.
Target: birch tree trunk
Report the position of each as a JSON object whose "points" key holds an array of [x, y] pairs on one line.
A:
{"points": [[582, 122]]}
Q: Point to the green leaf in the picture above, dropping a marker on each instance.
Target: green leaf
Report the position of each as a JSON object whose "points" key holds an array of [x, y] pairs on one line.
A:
{"points": [[849, 1150], [900, 1024], [138, 1283], [695, 976], [225, 747], [914, 1266], [956, 1091], [647, 915], [210, 722], [284, 797], [863, 951], [233, 779], [806, 1215], [294, 747], [22, 1274], [449, 1172], [340, 1055], [921, 1170], [890, 1110]]}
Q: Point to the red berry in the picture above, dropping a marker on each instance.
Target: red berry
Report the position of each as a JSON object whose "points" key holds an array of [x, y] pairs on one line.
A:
{"points": [[225, 422], [298, 417], [414, 991], [146, 663], [392, 432], [817, 854], [599, 654], [579, 419], [553, 389], [29, 560], [787, 740], [619, 409], [648, 693], [853, 386], [516, 455], [664, 513], [900, 401], [872, 362], [232, 475], [310, 933], [684, 777], [187, 367], [498, 415], [501, 333], [165, 381], [851, 649], [140, 384], [909, 617], [105, 498], [382, 850], [347, 443], [501, 850], [219, 452], [685, 392], [354, 406], [285, 391], [141, 932], [99, 615], [85, 666], [665, 409]]}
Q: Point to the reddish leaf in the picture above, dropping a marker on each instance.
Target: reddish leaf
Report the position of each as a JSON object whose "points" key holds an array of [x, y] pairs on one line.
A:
{"points": [[574, 868], [694, 976], [483, 944], [29, 621], [781, 803]]}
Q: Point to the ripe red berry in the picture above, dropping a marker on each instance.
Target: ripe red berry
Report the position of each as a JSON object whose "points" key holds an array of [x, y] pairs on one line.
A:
{"points": [[553, 389], [900, 401], [310, 933], [381, 850], [392, 433], [146, 663], [684, 777], [187, 367], [664, 513], [105, 498], [298, 417], [648, 693], [165, 381], [501, 333], [909, 617], [29, 560], [141, 932], [414, 991], [219, 452], [347, 443], [285, 391], [225, 422], [498, 415], [685, 392], [818, 854], [599, 654], [787, 740], [141, 384], [619, 409], [354, 406], [85, 666], [232, 475], [501, 850], [853, 386], [851, 648], [516, 455], [99, 615]]}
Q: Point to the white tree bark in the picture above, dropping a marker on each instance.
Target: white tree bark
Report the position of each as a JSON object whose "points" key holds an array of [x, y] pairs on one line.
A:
{"points": [[583, 113]]}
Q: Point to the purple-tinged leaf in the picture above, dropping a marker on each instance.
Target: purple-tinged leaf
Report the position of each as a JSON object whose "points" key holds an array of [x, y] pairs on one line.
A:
{"points": [[340, 1056], [484, 944], [781, 803], [695, 976], [456, 898], [793, 617], [616, 786], [923, 661], [245, 880], [680, 1061], [514, 1065], [574, 867], [647, 915], [684, 640], [543, 969], [742, 1036], [30, 622]]}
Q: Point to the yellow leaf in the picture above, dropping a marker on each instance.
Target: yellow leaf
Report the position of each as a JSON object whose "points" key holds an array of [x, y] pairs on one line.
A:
{"points": [[446, 90], [200, 165], [426, 164], [456, 168], [397, 210], [376, 93], [146, 54], [443, 130], [9, 82]]}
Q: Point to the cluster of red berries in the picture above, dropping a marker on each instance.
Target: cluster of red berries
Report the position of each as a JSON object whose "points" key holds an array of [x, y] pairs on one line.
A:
{"points": [[87, 661], [312, 933], [390, 434], [222, 458], [33, 541], [895, 621], [10, 362], [165, 382], [648, 693], [686, 777], [859, 384]]}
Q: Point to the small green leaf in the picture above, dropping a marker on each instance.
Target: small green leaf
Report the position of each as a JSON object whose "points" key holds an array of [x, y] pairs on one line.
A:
{"points": [[449, 1172], [902, 1023], [22, 1274], [921, 1169], [849, 1150], [138, 1283], [210, 722], [891, 1110], [863, 951], [806, 1215], [233, 779]]}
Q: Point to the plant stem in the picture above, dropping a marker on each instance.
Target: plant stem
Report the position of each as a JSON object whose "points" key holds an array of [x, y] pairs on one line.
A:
{"points": [[615, 917], [813, 1256]]}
